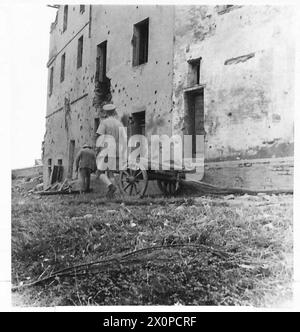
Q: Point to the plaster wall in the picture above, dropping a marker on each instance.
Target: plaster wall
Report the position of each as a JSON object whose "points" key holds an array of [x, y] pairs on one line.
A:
{"points": [[147, 87], [247, 73], [247, 66]]}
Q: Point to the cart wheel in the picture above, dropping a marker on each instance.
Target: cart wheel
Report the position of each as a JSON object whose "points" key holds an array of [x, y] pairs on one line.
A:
{"points": [[134, 182], [169, 187]]}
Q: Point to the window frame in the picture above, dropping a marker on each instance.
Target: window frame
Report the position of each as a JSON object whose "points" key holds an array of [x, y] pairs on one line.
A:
{"points": [[140, 43], [194, 71], [138, 123], [101, 61]]}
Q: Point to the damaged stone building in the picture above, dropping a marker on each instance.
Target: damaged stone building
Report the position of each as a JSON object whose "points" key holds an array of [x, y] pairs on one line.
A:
{"points": [[223, 71]]}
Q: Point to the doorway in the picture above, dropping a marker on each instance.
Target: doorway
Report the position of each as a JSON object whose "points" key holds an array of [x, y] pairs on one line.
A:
{"points": [[194, 116], [71, 158]]}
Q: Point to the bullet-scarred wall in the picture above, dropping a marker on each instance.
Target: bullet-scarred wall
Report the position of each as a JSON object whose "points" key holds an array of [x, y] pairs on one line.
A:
{"points": [[147, 87], [247, 73]]}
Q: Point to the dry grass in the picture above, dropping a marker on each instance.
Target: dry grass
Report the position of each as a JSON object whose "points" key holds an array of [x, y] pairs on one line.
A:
{"points": [[253, 235]]}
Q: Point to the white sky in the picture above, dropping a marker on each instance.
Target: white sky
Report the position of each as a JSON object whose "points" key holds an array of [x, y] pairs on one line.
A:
{"points": [[29, 37], [24, 37]]}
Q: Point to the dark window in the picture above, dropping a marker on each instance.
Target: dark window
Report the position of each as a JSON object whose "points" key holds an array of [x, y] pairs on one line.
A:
{"points": [[59, 162], [140, 42], [138, 123], [62, 67], [101, 62], [65, 24], [82, 9], [96, 124], [51, 81], [194, 72], [79, 52]]}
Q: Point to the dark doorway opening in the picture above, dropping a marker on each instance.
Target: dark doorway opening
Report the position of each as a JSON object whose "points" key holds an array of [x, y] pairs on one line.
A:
{"points": [[194, 115], [71, 158]]}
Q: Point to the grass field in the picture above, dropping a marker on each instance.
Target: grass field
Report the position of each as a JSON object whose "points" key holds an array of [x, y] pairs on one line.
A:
{"points": [[229, 250]]}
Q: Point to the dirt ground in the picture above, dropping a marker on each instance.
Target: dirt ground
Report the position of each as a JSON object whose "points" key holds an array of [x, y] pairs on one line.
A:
{"points": [[200, 250]]}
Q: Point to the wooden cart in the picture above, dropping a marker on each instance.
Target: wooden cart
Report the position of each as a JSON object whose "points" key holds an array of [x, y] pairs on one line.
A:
{"points": [[134, 181]]}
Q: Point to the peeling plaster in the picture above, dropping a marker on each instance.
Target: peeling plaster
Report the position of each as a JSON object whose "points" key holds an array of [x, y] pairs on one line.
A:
{"points": [[246, 69]]}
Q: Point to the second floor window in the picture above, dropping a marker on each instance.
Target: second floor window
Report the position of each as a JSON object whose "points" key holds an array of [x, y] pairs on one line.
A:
{"points": [[194, 71], [62, 67], [140, 42], [101, 62], [79, 52], [65, 22]]}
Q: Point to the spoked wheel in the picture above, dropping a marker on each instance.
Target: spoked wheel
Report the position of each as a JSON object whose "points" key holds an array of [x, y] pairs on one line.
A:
{"points": [[169, 187], [134, 182]]}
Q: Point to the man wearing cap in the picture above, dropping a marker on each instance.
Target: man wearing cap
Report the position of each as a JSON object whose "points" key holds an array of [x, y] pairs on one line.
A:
{"points": [[113, 128], [86, 164]]}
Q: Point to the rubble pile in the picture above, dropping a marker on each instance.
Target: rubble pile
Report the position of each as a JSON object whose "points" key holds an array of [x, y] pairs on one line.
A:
{"points": [[65, 187], [27, 186]]}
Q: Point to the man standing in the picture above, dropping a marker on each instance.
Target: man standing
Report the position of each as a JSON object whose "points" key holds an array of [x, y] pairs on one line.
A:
{"points": [[112, 127], [86, 164]]}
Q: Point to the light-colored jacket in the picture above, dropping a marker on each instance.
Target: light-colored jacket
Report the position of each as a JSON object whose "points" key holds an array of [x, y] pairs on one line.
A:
{"points": [[111, 128]]}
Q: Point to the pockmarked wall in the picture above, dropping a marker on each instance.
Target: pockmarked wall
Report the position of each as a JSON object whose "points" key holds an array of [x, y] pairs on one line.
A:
{"points": [[247, 73], [147, 87], [69, 112]]}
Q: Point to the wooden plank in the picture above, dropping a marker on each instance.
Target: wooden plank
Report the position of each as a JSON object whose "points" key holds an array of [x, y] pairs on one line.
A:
{"points": [[45, 193], [53, 177], [60, 170], [61, 186]]}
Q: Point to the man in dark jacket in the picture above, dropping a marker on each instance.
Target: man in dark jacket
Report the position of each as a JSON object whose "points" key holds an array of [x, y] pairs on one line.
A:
{"points": [[86, 164]]}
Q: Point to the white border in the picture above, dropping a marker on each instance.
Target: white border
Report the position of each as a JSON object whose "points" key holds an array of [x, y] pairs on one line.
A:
{"points": [[5, 203]]}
